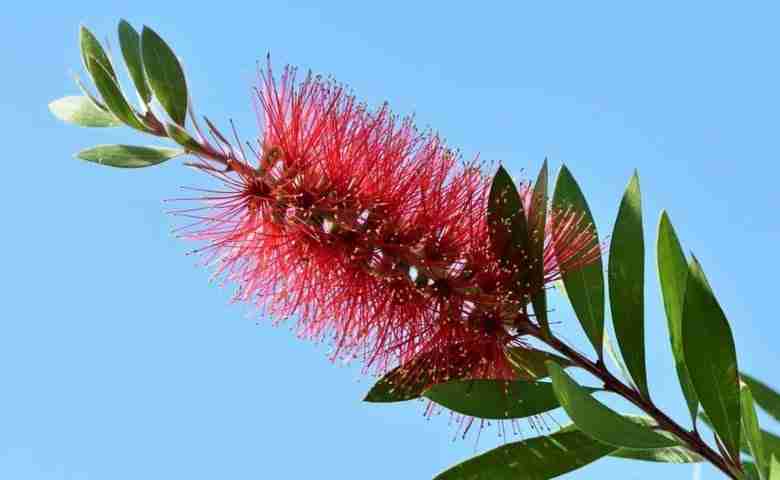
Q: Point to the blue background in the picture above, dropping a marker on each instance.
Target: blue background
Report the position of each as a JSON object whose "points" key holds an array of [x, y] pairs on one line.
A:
{"points": [[119, 361]]}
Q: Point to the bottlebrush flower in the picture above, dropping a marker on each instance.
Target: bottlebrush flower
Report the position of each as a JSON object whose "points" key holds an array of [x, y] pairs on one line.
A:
{"points": [[370, 234]]}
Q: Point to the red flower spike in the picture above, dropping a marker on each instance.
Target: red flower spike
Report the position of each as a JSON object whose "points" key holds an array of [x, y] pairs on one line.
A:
{"points": [[371, 234]]}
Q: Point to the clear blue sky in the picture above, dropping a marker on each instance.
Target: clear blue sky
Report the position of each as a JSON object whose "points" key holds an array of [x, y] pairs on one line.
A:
{"points": [[119, 361]]}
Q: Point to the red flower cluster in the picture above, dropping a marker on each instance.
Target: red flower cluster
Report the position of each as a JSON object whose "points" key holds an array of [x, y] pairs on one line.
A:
{"points": [[371, 234]]}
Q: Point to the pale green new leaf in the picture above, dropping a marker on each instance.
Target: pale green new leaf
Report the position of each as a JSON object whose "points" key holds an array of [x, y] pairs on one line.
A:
{"points": [[128, 156], [80, 110]]}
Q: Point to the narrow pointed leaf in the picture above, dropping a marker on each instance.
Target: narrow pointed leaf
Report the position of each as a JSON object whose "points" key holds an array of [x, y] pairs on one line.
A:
{"points": [[537, 222], [585, 285], [598, 421], [673, 274], [529, 363], [183, 138], [113, 97], [394, 386], [80, 110], [765, 396], [770, 441], [752, 432], [128, 156], [87, 93], [165, 75], [774, 468], [677, 454], [750, 471], [617, 360], [508, 226], [627, 284], [91, 49], [538, 458], [495, 399], [661, 455], [130, 43], [711, 358]]}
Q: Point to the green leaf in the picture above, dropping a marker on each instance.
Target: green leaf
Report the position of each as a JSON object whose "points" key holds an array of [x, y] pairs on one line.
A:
{"points": [[774, 469], [770, 441], [395, 386], [673, 274], [751, 471], [81, 111], [711, 358], [165, 75], [627, 284], [495, 399], [662, 455], [529, 363], [597, 420], [130, 42], [91, 49], [537, 221], [508, 227], [752, 431], [538, 458], [677, 454], [113, 96], [85, 91], [617, 360], [765, 396], [183, 138], [584, 285], [128, 156]]}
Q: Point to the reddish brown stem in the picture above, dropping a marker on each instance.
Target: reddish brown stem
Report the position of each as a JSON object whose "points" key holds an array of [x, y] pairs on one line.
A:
{"points": [[691, 438]]}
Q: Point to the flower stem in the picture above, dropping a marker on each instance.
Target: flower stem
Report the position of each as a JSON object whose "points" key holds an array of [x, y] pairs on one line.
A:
{"points": [[690, 438]]}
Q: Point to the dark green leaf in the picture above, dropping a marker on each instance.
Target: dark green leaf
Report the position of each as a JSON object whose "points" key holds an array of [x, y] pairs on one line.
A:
{"points": [[770, 441], [165, 75], [538, 458], [81, 111], [678, 454], [396, 386], [751, 471], [113, 96], [711, 358], [597, 420], [508, 227], [529, 363], [183, 138], [91, 49], [584, 285], [765, 396], [673, 273], [130, 42], [128, 156], [752, 432], [495, 399], [627, 283], [537, 222]]}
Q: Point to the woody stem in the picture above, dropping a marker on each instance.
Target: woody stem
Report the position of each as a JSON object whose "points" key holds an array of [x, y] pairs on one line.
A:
{"points": [[691, 438]]}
